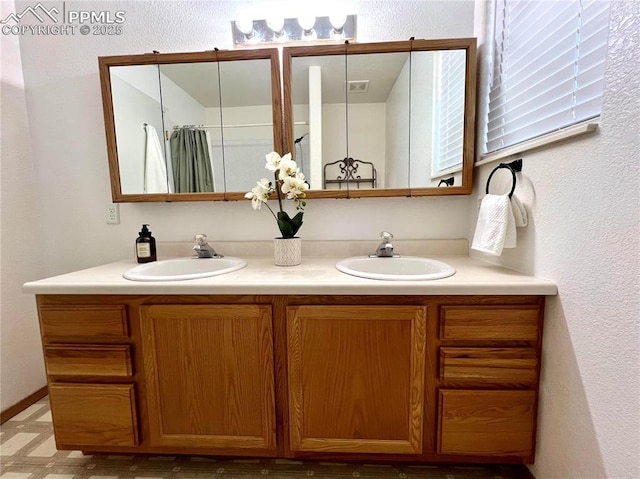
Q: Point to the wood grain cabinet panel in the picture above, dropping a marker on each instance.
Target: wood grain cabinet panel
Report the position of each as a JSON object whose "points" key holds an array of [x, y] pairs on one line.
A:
{"points": [[86, 415], [356, 378], [88, 360], [487, 423], [210, 376], [491, 323], [84, 321], [410, 378], [489, 365]]}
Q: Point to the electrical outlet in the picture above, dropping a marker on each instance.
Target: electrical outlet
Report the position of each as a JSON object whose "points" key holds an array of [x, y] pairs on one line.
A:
{"points": [[113, 214]]}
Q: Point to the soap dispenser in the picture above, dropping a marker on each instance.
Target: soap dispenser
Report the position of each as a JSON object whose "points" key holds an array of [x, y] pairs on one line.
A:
{"points": [[145, 246]]}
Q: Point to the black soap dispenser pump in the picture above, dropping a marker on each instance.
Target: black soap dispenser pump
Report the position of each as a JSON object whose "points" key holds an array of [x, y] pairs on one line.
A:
{"points": [[145, 246]]}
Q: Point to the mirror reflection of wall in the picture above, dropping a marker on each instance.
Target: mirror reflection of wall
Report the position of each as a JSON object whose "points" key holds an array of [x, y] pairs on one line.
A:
{"points": [[137, 114], [247, 119]]}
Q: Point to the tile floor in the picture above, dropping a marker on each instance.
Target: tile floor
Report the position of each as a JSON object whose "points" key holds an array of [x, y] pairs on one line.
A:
{"points": [[28, 451]]}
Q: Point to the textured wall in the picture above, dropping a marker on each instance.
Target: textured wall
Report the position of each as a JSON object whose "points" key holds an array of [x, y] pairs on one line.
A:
{"points": [[584, 199], [21, 366]]}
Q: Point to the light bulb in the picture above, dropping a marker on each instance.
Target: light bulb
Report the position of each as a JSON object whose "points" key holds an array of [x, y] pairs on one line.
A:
{"points": [[307, 23], [245, 26], [337, 22], [276, 24]]}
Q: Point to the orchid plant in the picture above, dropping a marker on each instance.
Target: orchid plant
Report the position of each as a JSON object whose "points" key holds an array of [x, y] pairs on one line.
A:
{"points": [[288, 181]]}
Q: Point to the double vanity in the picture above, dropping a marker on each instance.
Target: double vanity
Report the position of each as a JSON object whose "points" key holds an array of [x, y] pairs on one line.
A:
{"points": [[343, 357], [300, 362]]}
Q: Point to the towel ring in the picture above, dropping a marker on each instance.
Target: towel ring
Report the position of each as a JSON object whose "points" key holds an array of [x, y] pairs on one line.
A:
{"points": [[512, 167]]}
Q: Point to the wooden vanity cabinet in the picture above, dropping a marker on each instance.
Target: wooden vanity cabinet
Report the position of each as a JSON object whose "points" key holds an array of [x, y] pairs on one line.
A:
{"points": [[87, 353], [403, 378]]}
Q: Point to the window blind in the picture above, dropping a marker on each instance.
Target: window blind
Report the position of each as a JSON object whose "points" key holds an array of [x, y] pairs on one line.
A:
{"points": [[449, 110], [548, 67]]}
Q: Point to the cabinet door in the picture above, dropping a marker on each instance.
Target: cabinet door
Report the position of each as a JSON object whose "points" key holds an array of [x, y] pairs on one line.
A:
{"points": [[86, 415], [209, 376], [487, 423], [356, 378]]}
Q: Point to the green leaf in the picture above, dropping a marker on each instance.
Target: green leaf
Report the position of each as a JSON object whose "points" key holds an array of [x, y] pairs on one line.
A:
{"points": [[297, 220], [289, 226]]}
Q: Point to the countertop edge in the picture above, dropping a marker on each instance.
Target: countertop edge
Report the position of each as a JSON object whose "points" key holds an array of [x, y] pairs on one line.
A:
{"points": [[316, 276]]}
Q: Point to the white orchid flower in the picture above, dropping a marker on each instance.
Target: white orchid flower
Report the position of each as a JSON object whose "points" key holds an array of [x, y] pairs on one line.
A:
{"points": [[289, 182], [288, 168], [260, 193], [274, 160], [293, 187]]}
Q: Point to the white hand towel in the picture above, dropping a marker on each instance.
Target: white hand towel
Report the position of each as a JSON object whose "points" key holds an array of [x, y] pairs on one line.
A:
{"points": [[155, 169], [519, 212], [496, 227]]}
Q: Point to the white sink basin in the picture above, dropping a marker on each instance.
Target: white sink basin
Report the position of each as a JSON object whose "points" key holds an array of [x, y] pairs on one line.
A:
{"points": [[401, 268], [184, 268]]}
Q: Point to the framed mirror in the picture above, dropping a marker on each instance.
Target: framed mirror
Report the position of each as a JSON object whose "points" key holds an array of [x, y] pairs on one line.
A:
{"points": [[382, 119], [190, 126]]}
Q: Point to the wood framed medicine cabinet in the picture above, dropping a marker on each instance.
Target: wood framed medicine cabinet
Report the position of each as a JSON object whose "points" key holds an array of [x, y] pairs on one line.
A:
{"points": [[218, 93], [397, 108], [406, 107]]}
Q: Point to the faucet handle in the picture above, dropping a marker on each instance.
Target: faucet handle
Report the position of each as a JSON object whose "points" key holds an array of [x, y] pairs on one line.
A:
{"points": [[386, 236], [200, 239]]}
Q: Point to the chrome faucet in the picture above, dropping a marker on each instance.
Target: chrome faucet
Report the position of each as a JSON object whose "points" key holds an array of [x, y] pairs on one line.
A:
{"points": [[203, 249], [384, 249]]}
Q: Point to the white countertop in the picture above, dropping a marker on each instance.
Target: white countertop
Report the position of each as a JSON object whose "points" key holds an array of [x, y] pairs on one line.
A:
{"points": [[316, 275]]}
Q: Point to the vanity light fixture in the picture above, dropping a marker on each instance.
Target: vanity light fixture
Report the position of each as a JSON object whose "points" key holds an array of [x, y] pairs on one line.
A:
{"points": [[306, 29]]}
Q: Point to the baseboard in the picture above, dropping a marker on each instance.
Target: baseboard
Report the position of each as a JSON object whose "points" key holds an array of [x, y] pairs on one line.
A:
{"points": [[23, 404]]}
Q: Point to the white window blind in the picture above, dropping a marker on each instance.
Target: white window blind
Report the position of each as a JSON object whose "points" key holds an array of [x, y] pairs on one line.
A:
{"points": [[548, 67], [449, 110]]}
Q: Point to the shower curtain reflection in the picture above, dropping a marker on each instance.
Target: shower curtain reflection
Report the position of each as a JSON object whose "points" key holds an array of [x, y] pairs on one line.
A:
{"points": [[191, 163]]}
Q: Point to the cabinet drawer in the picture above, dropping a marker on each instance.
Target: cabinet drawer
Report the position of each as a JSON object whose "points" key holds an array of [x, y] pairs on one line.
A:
{"points": [[487, 423], [84, 321], [93, 415], [507, 323], [79, 360], [496, 365]]}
